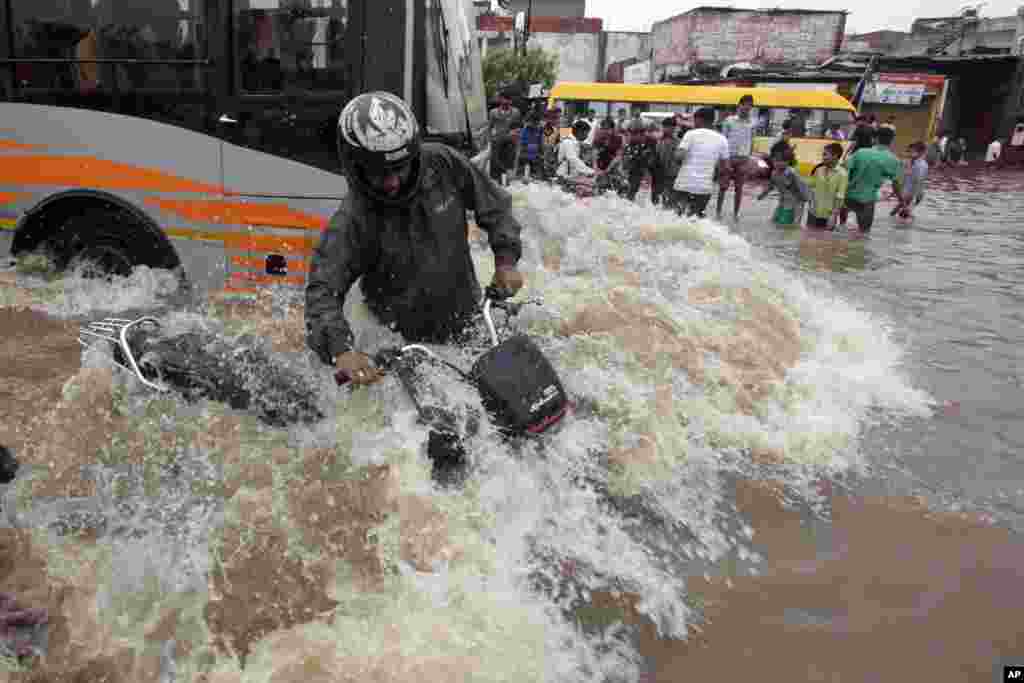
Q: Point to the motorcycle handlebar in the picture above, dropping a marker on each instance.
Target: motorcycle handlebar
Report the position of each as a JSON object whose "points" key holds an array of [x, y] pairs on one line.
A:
{"points": [[387, 356]]}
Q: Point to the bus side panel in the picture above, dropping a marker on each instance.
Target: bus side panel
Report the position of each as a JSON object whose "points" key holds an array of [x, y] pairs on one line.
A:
{"points": [[282, 206], [49, 151], [223, 235]]}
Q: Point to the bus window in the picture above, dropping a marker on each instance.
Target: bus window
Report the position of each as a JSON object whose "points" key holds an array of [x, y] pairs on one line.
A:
{"points": [[287, 45], [49, 29], [148, 30], [108, 29]]}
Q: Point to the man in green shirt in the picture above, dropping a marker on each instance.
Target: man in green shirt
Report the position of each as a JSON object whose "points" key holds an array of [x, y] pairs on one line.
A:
{"points": [[868, 169]]}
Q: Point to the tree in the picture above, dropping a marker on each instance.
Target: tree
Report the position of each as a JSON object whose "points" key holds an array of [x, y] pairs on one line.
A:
{"points": [[504, 66]]}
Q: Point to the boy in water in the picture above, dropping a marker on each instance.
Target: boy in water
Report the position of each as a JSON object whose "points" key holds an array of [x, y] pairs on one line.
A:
{"points": [[828, 186], [914, 176], [793, 192]]}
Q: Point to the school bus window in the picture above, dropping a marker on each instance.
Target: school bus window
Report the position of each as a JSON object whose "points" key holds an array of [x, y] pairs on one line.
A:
{"points": [[83, 31], [288, 45]]}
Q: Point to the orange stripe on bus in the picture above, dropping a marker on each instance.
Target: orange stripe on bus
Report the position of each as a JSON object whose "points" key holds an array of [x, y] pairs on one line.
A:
{"points": [[260, 264], [14, 144], [269, 279], [271, 243], [92, 172], [11, 197], [241, 213], [245, 241]]}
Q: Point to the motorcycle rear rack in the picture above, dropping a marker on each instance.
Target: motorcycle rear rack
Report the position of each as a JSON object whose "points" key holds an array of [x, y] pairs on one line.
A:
{"points": [[115, 332]]}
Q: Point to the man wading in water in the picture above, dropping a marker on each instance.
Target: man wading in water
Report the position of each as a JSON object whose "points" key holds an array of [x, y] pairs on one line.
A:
{"points": [[738, 129], [403, 229], [868, 169]]}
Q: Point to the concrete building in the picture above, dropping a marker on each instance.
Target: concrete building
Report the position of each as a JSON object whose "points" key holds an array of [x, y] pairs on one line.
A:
{"points": [[981, 60], [886, 42], [706, 40], [960, 35]]}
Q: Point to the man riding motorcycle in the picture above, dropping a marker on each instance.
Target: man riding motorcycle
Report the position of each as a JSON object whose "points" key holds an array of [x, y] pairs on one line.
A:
{"points": [[402, 228]]}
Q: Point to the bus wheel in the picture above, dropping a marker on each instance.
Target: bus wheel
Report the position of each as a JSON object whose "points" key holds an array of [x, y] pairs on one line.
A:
{"points": [[95, 243]]}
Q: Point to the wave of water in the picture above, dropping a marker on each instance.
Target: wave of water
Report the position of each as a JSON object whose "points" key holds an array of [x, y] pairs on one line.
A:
{"points": [[327, 553]]}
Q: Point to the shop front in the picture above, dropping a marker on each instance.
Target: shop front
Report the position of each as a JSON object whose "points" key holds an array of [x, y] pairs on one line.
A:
{"points": [[912, 102]]}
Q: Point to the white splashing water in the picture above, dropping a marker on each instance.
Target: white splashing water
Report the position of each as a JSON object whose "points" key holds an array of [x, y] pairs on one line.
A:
{"points": [[530, 513]]}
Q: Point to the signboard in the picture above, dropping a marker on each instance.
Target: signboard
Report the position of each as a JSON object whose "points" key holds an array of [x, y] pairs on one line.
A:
{"points": [[881, 92], [932, 83], [538, 24]]}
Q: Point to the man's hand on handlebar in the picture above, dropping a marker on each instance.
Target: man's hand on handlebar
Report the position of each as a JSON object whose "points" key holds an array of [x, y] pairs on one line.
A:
{"points": [[357, 367], [506, 283]]}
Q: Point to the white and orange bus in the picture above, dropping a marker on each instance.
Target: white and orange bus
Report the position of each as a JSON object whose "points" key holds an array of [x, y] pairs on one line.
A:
{"points": [[198, 135]]}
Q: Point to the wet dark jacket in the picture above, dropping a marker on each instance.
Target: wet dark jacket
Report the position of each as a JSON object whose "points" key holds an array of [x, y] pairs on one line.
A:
{"points": [[639, 158], [414, 258]]}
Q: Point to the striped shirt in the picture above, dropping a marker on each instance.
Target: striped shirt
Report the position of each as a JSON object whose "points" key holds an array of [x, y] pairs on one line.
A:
{"points": [[740, 134]]}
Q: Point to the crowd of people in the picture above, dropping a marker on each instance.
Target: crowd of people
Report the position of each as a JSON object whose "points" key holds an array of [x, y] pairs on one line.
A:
{"points": [[689, 159]]}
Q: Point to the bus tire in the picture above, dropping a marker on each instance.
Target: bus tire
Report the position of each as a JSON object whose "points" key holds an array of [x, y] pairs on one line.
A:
{"points": [[97, 242]]}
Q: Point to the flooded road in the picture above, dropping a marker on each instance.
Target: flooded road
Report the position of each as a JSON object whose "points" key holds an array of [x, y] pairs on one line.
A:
{"points": [[795, 458]]}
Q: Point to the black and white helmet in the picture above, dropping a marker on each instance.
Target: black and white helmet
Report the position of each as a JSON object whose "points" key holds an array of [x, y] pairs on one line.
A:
{"points": [[378, 131]]}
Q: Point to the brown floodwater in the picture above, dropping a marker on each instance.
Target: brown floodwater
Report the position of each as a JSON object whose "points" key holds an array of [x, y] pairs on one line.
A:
{"points": [[894, 587]]}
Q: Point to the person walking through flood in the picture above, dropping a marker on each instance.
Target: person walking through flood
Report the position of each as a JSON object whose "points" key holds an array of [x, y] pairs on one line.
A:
{"points": [[552, 138], [700, 153], [914, 175], [783, 142], [955, 151], [402, 229], [569, 164], [607, 145], [738, 129], [869, 169], [793, 191], [666, 167], [530, 154], [503, 155], [863, 136], [828, 189], [639, 157], [503, 117]]}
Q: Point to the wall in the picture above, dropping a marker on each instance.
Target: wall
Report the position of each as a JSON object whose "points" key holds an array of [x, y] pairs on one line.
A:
{"points": [[578, 58], [550, 8], [728, 36], [622, 45]]}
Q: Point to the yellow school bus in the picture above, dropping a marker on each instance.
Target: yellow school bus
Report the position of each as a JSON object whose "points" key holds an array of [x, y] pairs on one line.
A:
{"points": [[772, 106]]}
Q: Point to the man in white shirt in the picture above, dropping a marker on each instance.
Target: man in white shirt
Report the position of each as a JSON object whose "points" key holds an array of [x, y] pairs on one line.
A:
{"points": [[995, 149], [702, 151], [738, 130], [569, 163]]}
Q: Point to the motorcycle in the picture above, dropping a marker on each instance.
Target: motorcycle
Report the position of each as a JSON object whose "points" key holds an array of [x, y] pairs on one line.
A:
{"points": [[519, 388]]}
